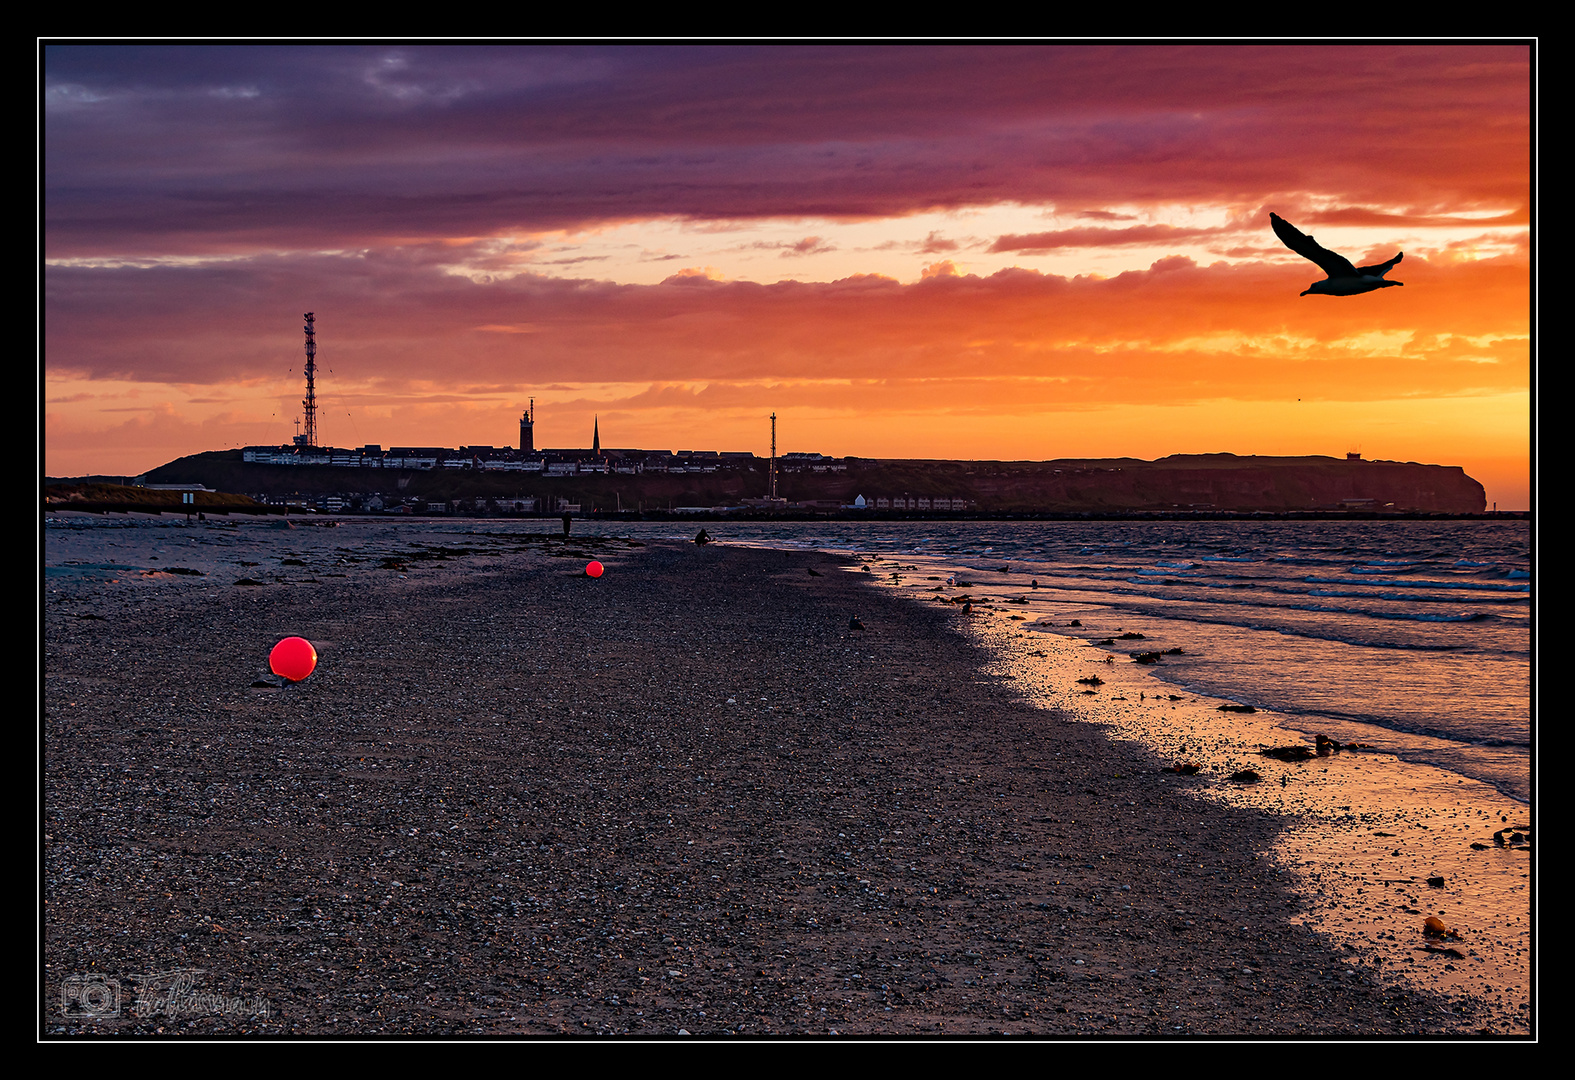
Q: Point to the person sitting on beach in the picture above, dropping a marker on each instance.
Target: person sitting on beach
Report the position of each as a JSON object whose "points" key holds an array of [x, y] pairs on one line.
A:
{"points": [[702, 538]]}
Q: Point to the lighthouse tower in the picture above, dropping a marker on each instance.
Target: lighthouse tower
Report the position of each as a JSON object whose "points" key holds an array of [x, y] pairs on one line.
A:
{"points": [[528, 429]]}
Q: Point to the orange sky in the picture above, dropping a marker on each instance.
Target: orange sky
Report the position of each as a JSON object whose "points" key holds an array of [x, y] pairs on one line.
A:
{"points": [[901, 251]]}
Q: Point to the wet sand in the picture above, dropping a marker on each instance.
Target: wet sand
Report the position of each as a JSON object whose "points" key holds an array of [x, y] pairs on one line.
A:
{"points": [[685, 797], [1372, 843]]}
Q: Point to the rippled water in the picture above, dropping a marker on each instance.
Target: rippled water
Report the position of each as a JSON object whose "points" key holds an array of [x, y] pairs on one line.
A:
{"points": [[1411, 635]]}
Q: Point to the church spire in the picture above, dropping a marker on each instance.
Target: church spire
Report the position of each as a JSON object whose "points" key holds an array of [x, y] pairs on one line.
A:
{"points": [[596, 436]]}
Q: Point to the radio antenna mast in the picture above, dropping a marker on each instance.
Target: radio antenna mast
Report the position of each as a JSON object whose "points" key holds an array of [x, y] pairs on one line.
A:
{"points": [[309, 403]]}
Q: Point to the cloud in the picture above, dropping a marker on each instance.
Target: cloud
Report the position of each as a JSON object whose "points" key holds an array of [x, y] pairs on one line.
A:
{"points": [[385, 322], [810, 245], [212, 149], [934, 244], [1134, 236], [693, 275]]}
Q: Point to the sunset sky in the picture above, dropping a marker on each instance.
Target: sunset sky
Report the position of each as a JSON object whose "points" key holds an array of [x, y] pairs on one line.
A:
{"points": [[1016, 252]]}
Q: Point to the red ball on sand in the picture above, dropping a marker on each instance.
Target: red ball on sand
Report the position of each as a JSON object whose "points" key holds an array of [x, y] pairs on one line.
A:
{"points": [[594, 569], [293, 659]]}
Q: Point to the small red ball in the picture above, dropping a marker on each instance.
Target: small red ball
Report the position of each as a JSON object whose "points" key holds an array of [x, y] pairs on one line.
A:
{"points": [[594, 569], [293, 659]]}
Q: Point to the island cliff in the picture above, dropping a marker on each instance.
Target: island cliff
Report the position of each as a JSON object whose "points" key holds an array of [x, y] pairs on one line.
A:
{"points": [[1180, 483]]}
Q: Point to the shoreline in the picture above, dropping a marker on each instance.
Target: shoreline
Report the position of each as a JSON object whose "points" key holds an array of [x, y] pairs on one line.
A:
{"points": [[731, 514], [1273, 688], [514, 801], [1366, 889]]}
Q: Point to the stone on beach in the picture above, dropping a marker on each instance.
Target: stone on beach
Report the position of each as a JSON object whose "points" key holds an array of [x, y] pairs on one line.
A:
{"points": [[514, 813]]}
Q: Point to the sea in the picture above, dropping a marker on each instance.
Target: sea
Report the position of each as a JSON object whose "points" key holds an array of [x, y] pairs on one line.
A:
{"points": [[1411, 636]]}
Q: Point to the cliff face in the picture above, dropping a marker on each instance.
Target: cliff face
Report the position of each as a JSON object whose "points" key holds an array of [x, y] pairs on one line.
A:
{"points": [[1183, 482], [1227, 482]]}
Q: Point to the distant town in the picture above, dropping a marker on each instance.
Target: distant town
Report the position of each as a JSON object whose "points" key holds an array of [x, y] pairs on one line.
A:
{"points": [[525, 480], [525, 462], [659, 484]]}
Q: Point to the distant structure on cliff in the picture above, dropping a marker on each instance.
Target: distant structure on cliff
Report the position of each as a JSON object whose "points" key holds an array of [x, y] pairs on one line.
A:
{"points": [[1181, 483], [527, 459], [303, 449], [309, 403]]}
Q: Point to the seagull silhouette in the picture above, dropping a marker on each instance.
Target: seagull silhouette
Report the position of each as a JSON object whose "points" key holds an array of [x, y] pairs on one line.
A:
{"points": [[1344, 279]]}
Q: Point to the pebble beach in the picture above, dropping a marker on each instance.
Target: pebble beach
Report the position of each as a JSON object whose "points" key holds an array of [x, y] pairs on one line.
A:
{"points": [[685, 799]]}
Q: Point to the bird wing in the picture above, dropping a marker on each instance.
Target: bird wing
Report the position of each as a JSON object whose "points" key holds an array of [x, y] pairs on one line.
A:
{"points": [[1308, 248], [1380, 269]]}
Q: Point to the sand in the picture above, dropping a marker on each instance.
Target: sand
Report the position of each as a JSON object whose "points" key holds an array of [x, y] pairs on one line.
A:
{"points": [[1373, 843], [683, 799]]}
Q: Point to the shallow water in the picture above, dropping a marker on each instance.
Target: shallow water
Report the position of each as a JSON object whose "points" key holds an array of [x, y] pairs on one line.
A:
{"points": [[1413, 636]]}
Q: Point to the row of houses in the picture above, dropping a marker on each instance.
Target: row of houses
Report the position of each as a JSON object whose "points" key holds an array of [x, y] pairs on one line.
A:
{"points": [[393, 504], [816, 463], [557, 504], [510, 460], [920, 502]]}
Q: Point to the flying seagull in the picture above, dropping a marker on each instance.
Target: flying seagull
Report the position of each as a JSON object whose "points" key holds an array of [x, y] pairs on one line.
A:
{"points": [[1344, 279]]}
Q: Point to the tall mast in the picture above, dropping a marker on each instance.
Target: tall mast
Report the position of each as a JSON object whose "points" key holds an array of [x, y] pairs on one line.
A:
{"points": [[309, 403], [773, 455]]}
